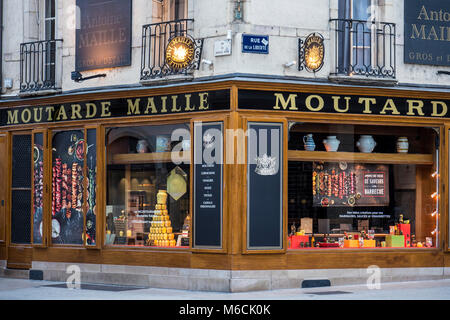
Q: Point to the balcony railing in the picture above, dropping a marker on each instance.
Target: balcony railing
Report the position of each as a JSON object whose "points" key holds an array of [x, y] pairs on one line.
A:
{"points": [[39, 62], [155, 38], [365, 48]]}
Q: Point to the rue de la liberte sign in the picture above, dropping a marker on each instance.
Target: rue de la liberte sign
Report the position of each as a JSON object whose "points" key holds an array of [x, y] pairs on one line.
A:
{"points": [[427, 32]]}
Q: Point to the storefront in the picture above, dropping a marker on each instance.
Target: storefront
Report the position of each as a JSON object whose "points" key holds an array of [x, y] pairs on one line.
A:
{"points": [[234, 175]]}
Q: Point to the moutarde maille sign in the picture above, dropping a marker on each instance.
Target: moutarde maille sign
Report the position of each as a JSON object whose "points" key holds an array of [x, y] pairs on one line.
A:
{"points": [[123, 107], [103, 37], [427, 32], [342, 104]]}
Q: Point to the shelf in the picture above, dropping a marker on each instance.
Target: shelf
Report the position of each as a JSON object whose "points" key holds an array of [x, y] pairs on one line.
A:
{"points": [[384, 158], [154, 157]]}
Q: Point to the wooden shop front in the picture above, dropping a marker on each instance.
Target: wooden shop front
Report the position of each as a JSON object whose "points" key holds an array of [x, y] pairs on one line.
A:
{"points": [[233, 175]]}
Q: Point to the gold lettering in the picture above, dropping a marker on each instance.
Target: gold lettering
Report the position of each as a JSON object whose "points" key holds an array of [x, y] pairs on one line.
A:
{"points": [[105, 109], [285, 103], [151, 105], [174, 104], [91, 110], [389, 106], [203, 100], [76, 112], [133, 107], [12, 116], [61, 112], [367, 103], [336, 103], [164, 102], [435, 109], [36, 117], [28, 118], [416, 34], [318, 98], [423, 12], [49, 111], [415, 105], [188, 103], [433, 32]]}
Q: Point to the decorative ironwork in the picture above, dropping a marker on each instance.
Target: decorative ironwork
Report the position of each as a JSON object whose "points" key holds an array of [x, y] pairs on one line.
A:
{"points": [[38, 65], [156, 38], [365, 48], [311, 53]]}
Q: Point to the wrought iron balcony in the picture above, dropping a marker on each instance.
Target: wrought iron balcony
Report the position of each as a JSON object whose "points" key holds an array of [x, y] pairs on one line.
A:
{"points": [[39, 61], [365, 48], [155, 39]]}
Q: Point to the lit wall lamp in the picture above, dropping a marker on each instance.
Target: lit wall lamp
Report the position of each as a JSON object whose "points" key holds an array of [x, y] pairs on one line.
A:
{"points": [[289, 64], [78, 77], [311, 53]]}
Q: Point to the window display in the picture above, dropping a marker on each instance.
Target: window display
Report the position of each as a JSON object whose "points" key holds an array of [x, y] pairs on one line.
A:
{"points": [[38, 187], [362, 186], [147, 188], [67, 187]]}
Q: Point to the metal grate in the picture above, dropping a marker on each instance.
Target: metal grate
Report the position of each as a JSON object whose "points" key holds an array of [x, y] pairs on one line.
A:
{"points": [[20, 216], [38, 64], [364, 48], [21, 161], [155, 38]]}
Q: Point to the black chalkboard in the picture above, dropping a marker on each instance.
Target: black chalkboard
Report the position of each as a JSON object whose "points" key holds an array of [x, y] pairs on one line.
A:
{"points": [[208, 175], [265, 186]]}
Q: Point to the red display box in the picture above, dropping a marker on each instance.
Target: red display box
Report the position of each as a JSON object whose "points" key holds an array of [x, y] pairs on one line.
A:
{"points": [[406, 229], [296, 240]]}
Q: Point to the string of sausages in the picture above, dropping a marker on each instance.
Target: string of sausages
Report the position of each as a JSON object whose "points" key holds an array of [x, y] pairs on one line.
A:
{"points": [[66, 187], [38, 184], [339, 185]]}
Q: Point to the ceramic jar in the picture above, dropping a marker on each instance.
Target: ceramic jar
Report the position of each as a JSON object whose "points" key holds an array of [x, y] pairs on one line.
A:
{"points": [[402, 145], [331, 143], [366, 144], [142, 146], [161, 197], [309, 142]]}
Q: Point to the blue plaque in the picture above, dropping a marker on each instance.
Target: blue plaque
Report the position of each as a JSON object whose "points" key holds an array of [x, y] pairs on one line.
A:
{"points": [[255, 44], [427, 32]]}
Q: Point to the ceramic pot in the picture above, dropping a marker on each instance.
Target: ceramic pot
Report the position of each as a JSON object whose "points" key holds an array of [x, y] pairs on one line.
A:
{"points": [[331, 143], [161, 197], [402, 145], [142, 146], [366, 144], [309, 142]]}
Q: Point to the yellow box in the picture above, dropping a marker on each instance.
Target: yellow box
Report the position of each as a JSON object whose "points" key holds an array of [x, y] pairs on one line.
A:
{"points": [[369, 244], [351, 244]]}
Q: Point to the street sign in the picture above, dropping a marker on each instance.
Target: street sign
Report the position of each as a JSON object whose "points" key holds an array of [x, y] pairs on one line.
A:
{"points": [[255, 44]]}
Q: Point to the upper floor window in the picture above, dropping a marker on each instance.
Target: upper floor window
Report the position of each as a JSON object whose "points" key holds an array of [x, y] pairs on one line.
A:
{"points": [[364, 46], [49, 20]]}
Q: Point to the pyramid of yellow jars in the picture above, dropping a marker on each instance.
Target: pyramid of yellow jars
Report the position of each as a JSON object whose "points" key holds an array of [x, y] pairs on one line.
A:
{"points": [[161, 232]]}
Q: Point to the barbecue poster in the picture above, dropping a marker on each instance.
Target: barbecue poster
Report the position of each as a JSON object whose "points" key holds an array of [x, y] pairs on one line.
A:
{"points": [[350, 185]]}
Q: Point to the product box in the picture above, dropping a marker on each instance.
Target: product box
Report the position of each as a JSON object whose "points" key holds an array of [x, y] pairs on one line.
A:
{"points": [[351, 243], [296, 240], [369, 244], [406, 230], [394, 241]]}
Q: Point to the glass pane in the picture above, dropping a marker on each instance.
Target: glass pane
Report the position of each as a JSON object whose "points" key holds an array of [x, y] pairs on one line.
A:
{"points": [[38, 186], [147, 189], [361, 9], [349, 203], [50, 8], [49, 29], [67, 187], [91, 191], [180, 9]]}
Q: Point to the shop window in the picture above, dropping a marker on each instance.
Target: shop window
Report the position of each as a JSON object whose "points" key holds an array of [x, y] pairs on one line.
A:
{"points": [[148, 186], [68, 186], [38, 187], [354, 186]]}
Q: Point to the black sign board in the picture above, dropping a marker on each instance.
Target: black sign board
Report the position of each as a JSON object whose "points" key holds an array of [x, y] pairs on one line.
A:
{"points": [[208, 176], [342, 104], [103, 37], [427, 32], [123, 107], [265, 186]]}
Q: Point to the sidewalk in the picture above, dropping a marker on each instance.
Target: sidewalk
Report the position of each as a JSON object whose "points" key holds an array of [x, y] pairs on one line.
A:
{"points": [[20, 289]]}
